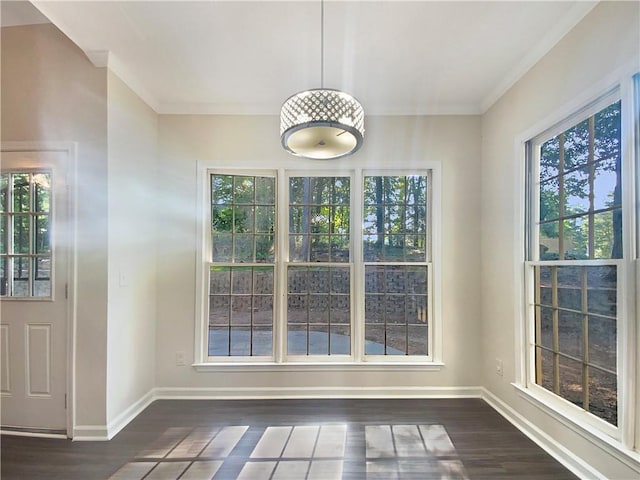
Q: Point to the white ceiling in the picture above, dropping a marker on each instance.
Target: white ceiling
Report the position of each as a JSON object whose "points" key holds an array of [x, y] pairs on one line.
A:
{"points": [[247, 57]]}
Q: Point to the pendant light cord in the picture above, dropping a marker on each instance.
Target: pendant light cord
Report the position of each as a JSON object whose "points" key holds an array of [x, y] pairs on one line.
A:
{"points": [[321, 43]]}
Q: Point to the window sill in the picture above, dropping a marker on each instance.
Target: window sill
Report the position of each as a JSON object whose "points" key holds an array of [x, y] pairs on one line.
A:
{"points": [[591, 433], [319, 367]]}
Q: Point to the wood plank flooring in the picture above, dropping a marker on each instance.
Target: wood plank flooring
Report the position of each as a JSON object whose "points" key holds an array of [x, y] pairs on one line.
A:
{"points": [[294, 439]]}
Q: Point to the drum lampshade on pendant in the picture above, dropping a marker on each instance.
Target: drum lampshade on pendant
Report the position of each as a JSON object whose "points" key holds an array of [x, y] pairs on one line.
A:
{"points": [[322, 123]]}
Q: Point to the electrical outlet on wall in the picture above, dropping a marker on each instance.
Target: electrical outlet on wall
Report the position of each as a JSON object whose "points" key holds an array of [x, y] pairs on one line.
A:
{"points": [[498, 367], [180, 359]]}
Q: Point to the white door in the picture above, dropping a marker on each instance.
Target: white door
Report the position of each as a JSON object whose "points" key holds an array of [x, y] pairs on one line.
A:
{"points": [[34, 253]]}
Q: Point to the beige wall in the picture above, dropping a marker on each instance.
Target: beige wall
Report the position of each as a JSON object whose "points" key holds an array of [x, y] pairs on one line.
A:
{"points": [[51, 92], [132, 137], [606, 39], [253, 142]]}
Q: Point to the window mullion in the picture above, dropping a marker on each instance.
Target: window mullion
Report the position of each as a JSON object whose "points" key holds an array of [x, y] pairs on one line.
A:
{"points": [[357, 262], [585, 339], [561, 211], [281, 264], [592, 175], [556, 337]]}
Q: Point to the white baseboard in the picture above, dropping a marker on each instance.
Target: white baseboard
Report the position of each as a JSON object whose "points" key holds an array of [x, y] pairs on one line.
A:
{"points": [[567, 458], [90, 433], [130, 413], [259, 393], [102, 433]]}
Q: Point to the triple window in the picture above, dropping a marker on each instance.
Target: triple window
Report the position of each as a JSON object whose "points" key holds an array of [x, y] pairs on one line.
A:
{"points": [[319, 267]]}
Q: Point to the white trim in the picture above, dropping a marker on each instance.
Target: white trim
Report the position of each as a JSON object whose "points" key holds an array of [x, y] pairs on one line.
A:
{"points": [[202, 362], [23, 433], [616, 85], [627, 343], [578, 102], [90, 433], [323, 367], [232, 393], [563, 455], [549, 40], [593, 435], [129, 414], [71, 179]]}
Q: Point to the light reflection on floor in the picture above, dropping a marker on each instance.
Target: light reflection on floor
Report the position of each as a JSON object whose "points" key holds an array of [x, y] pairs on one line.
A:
{"points": [[311, 452]]}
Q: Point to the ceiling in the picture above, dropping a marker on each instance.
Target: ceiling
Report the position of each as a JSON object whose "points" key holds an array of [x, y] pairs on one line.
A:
{"points": [[247, 57]]}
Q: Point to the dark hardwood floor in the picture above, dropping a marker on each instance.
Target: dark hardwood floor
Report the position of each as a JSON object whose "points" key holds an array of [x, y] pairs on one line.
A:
{"points": [[294, 439]]}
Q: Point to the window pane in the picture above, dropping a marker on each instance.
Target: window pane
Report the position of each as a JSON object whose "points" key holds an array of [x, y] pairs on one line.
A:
{"points": [[576, 187], [576, 145], [243, 206], [570, 333], [570, 288], [4, 277], [602, 290], [544, 372], [319, 219], [4, 188], [549, 201], [607, 132], [576, 235], [603, 342], [240, 311], [571, 380], [221, 189], [583, 300], [394, 218], [265, 191], [41, 240], [21, 276], [3, 233], [318, 311], [544, 321], [21, 197], [606, 232], [418, 340], [21, 234], [549, 158], [42, 277], [581, 168], [42, 192], [603, 398], [396, 309]]}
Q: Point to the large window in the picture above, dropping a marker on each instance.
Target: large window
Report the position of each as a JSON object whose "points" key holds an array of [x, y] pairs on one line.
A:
{"points": [[319, 267], [579, 260], [241, 273], [396, 269]]}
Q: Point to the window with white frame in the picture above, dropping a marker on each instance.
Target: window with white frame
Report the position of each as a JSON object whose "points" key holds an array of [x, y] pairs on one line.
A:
{"points": [[25, 227], [580, 253], [323, 267]]}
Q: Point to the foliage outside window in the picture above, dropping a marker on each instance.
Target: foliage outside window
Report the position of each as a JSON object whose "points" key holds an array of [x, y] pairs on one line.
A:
{"points": [[319, 274], [395, 255], [241, 275], [323, 249], [575, 243], [25, 248]]}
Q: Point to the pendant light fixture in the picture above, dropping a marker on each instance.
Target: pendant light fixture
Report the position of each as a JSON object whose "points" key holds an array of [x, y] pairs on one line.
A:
{"points": [[322, 123]]}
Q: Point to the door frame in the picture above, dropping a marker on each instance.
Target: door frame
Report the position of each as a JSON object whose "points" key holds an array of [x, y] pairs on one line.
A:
{"points": [[70, 165]]}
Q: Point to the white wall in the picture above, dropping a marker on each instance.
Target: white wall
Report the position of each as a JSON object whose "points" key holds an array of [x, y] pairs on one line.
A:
{"points": [[606, 39], [51, 92], [132, 197], [254, 142]]}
